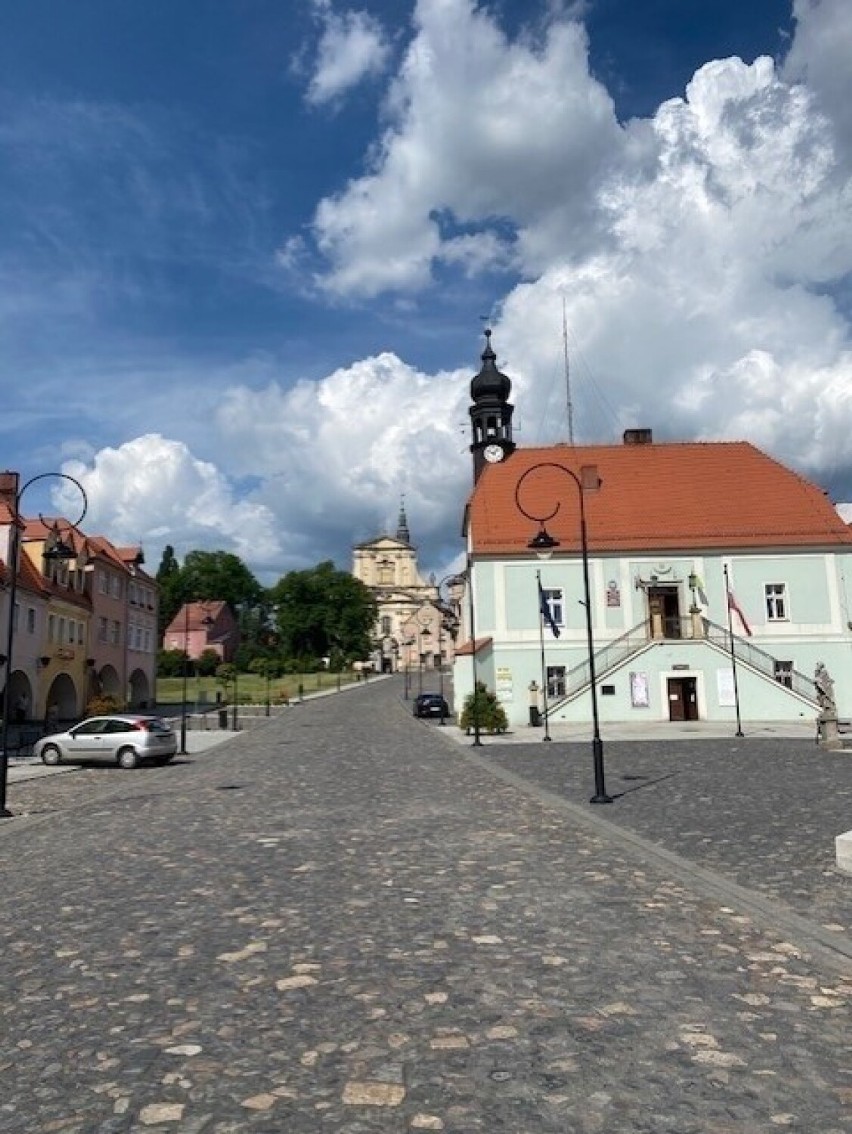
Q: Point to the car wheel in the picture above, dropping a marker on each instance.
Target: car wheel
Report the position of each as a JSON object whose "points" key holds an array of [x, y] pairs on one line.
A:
{"points": [[50, 755], [127, 758]]}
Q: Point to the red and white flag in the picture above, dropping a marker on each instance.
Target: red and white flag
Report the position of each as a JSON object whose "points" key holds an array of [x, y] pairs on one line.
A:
{"points": [[735, 607]]}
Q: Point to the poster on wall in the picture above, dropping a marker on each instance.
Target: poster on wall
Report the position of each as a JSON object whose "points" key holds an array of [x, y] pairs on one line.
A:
{"points": [[639, 693], [613, 595], [725, 687], [504, 683]]}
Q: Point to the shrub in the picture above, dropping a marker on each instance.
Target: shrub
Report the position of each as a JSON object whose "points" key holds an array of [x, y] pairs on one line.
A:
{"points": [[103, 704], [483, 708]]}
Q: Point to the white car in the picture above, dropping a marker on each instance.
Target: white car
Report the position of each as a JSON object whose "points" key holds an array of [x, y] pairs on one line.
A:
{"points": [[124, 738]]}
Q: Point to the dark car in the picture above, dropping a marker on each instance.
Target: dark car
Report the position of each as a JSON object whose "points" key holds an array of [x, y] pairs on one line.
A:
{"points": [[431, 705]]}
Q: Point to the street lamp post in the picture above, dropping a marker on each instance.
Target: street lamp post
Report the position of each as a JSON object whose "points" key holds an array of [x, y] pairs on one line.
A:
{"points": [[407, 644], [477, 740], [206, 621], [442, 626], [57, 550], [543, 544], [234, 716]]}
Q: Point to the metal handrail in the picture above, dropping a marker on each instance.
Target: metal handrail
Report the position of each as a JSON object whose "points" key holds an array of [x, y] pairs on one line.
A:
{"points": [[758, 659], [606, 658]]}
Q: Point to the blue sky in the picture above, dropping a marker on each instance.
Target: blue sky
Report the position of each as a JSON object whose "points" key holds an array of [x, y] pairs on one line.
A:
{"points": [[246, 249]]}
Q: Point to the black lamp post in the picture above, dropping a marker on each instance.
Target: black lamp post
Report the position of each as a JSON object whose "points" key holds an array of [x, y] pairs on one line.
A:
{"points": [[442, 626], [477, 739], [739, 731], [55, 549], [423, 637], [407, 644], [543, 544], [206, 621]]}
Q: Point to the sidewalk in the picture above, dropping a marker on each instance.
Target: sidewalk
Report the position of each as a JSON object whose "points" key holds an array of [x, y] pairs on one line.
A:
{"points": [[23, 768], [645, 730]]}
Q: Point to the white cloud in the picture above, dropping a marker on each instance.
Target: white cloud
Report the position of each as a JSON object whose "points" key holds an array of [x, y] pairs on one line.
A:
{"points": [[819, 57], [352, 47], [153, 490], [700, 254], [482, 129]]}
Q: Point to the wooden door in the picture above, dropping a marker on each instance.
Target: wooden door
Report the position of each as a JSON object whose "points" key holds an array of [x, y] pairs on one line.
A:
{"points": [[677, 702]]}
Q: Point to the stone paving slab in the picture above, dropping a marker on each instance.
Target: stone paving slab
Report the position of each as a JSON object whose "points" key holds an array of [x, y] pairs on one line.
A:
{"points": [[764, 813], [345, 923]]}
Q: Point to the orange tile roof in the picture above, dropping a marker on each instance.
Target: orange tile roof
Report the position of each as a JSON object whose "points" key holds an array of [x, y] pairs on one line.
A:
{"points": [[682, 496]]}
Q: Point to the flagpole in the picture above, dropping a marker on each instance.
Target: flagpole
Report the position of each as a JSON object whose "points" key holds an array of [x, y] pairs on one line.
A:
{"points": [[543, 666], [739, 731]]}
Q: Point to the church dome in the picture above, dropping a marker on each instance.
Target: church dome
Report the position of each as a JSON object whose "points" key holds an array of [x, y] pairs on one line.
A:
{"points": [[489, 383]]}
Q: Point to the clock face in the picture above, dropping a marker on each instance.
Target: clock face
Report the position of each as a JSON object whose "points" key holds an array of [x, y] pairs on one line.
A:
{"points": [[493, 453]]}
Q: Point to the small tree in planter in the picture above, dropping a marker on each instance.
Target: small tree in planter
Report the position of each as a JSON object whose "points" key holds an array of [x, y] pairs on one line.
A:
{"points": [[482, 707]]}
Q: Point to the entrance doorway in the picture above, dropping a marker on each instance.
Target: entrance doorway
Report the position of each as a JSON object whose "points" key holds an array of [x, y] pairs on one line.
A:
{"points": [[683, 699], [664, 611]]}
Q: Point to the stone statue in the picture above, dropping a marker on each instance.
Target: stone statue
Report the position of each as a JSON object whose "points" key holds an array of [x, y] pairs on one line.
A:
{"points": [[825, 690]]}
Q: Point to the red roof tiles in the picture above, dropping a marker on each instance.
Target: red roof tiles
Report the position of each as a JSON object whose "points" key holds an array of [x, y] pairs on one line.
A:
{"points": [[653, 497]]}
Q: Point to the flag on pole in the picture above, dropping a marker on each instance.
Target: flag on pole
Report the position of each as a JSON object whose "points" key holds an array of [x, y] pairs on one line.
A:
{"points": [[546, 612], [735, 607]]}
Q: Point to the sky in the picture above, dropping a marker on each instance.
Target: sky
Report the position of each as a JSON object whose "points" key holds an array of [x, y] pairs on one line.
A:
{"points": [[248, 249]]}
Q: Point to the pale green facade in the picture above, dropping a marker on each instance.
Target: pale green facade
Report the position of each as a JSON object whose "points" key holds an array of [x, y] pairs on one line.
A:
{"points": [[677, 657]]}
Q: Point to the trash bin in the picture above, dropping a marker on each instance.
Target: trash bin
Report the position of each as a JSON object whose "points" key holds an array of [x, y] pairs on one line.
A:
{"points": [[535, 716], [223, 718]]}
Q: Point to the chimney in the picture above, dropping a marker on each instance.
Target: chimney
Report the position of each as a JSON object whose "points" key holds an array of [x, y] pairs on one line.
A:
{"points": [[638, 437]]}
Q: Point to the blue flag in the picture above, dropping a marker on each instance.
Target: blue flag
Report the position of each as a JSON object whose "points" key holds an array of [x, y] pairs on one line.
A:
{"points": [[546, 613]]}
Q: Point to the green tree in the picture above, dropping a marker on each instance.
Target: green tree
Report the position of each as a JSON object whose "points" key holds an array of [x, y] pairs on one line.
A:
{"points": [[323, 611], [208, 662], [169, 580], [223, 576], [483, 709]]}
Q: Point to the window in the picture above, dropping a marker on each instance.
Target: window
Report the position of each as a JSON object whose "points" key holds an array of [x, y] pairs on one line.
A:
{"points": [[102, 629], [51, 628], [81, 633], [554, 601], [784, 673], [555, 679], [31, 620], [103, 583], [61, 638], [115, 637], [386, 624], [116, 586], [776, 602]]}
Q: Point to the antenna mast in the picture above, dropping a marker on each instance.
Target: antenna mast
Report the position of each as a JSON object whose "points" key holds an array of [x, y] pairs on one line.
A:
{"points": [[567, 374]]}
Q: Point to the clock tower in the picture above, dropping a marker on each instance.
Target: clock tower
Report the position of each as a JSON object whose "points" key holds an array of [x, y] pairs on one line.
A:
{"points": [[491, 413]]}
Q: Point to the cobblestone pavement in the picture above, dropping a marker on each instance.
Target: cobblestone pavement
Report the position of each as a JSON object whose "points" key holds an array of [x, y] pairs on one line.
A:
{"points": [[764, 813], [344, 922]]}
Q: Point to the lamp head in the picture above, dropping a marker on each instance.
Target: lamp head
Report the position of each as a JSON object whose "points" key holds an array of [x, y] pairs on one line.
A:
{"points": [[543, 543], [55, 547]]}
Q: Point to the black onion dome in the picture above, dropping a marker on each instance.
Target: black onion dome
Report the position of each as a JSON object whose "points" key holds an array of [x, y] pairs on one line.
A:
{"points": [[489, 382]]}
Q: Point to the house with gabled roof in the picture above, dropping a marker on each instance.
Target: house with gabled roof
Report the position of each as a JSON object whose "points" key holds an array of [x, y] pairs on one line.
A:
{"points": [[719, 580], [204, 625]]}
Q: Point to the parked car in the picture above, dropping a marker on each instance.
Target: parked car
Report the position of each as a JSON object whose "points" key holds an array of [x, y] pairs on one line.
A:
{"points": [[125, 738], [430, 705]]}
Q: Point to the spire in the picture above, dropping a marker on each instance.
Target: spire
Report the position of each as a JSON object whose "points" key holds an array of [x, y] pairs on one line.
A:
{"points": [[402, 532]]}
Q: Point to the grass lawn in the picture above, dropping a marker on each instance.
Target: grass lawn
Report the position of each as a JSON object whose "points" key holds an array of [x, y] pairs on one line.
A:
{"points": [[251, 688]]}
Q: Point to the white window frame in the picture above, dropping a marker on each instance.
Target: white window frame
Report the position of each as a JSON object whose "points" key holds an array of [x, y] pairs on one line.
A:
{"points": [[776, 602], [555, 599]]}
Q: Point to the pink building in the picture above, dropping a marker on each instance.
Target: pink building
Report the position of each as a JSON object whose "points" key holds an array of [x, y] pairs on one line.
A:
{"points": [[200, 626]]}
